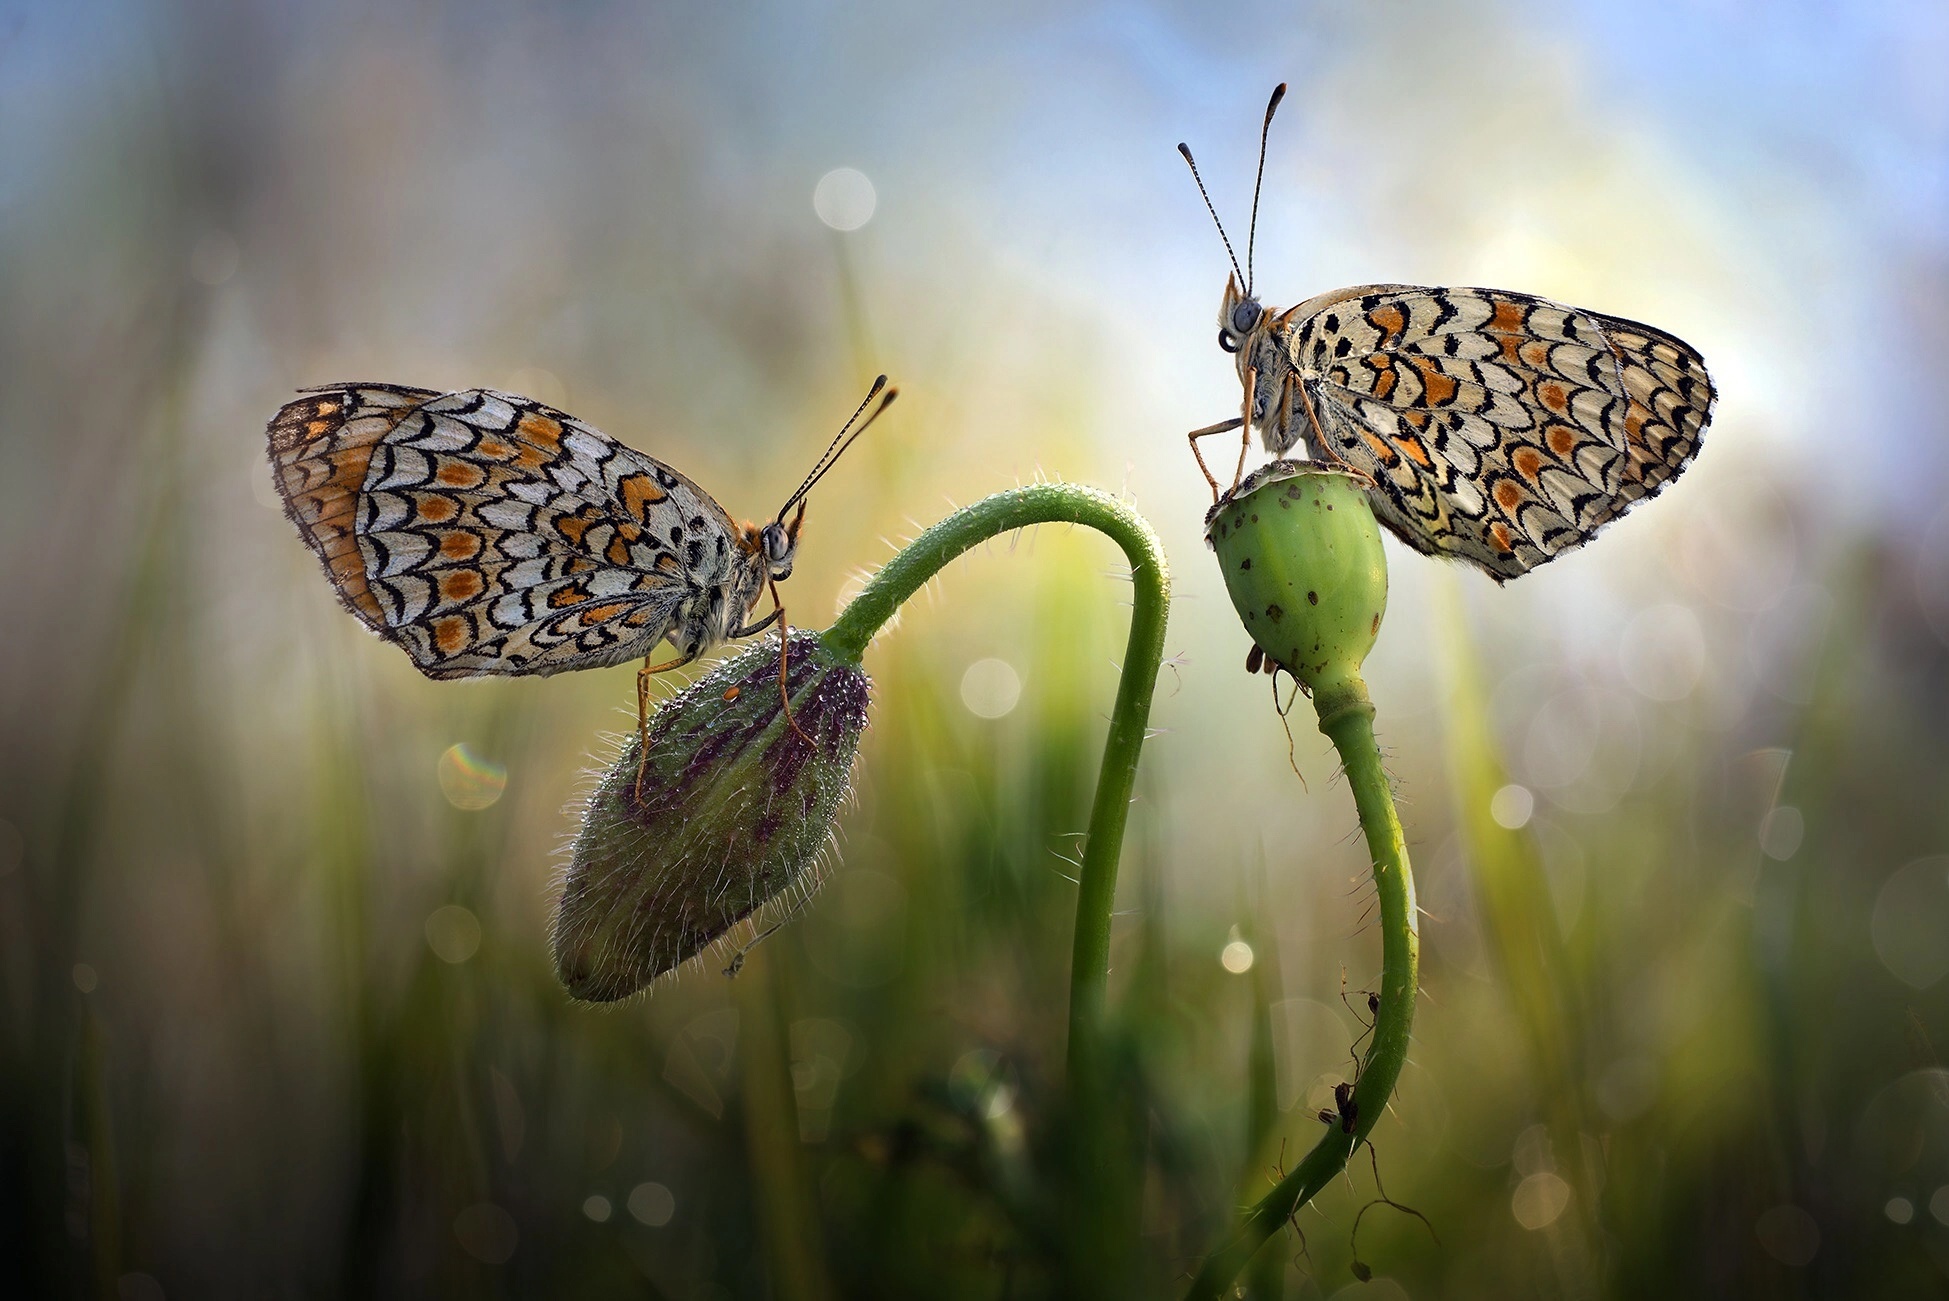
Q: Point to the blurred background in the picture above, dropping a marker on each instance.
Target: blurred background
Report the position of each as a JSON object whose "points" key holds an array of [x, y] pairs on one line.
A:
{"points": [[279, 1017]]}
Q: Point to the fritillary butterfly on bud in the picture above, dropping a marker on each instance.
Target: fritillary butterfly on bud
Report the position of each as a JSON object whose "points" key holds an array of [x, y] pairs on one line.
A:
{"points": [[484, 533], [1493, 427]]}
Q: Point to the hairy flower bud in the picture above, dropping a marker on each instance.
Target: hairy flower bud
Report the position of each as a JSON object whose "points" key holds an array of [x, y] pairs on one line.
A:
{"points": [[1301, 554], [730, 813]]}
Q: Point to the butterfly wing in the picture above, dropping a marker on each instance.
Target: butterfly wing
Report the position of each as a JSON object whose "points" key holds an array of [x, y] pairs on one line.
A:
{"points": [[488, 533], [1498, 427]]}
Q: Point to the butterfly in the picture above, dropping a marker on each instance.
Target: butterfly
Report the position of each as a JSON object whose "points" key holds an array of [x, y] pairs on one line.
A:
{"points": [[1494, 427], [485, 534]]}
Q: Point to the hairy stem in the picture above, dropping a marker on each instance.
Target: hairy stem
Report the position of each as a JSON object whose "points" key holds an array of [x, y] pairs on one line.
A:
{"points": [[1347, 719], [925, 556]]}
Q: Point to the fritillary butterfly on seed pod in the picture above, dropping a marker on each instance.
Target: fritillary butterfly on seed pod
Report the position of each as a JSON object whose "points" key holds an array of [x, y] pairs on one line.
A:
{"points": [[1494, 427], [484, 533]]}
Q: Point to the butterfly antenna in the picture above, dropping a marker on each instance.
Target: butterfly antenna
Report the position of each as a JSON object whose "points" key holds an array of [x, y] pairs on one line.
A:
{"points": [[1252, 231], [841, 441], [1186, 151]]}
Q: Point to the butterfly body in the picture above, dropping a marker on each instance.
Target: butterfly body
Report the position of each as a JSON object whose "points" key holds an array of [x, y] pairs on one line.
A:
{"points": [[485, 533]]}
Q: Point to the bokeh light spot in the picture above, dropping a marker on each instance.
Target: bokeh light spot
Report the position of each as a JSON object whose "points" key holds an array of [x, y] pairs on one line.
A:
{"points": [[1662, 652], [487, 1233], [85, 978], [1939, 1204], [453, 933], [214, 259], [1789, 1235], [1236, 957], [1512, 806], [1910, 924], [1539, 1200], [990, 688], [1899, 1209], [138, 1287], [469, 781], [652, 1204], [596, 1207], [1782, 832], [844, 199]]}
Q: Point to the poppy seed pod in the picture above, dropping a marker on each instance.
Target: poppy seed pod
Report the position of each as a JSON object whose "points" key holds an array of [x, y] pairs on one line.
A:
{"points": [[730, 813], [1302, 559]]}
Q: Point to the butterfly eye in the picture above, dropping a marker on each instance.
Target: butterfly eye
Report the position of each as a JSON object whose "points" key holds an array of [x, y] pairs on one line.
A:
{"points": [[1226, 341], [778, 547], [1244, 317]]}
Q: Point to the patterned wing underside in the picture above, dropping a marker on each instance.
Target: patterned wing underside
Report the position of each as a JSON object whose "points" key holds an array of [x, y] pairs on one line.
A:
{"points": [[1499, 428], [487, 533]]}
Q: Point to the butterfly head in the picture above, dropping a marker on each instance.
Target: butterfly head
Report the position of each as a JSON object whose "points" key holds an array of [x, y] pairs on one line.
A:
{"points": [[778, 542], [1239, 317]]}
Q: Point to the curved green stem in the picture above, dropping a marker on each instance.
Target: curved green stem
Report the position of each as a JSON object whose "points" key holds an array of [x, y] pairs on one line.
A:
{"points": [[1046, 503], [1347, 719]]}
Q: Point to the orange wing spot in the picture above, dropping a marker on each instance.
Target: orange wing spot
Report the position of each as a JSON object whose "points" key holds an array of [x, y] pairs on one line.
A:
{"points": [[617, 552], [459, 474], [494, 450], [432, 508], [450, 634], [318, 428], [326, 406], [459, 545], [667, 563], [541, 430], [1634, 420], [1384, 380], [640, 492], [1499, 534], [461, 585], [1440, 389], [573, 527], [1527, 461], [1417, 452], [1508, 496], [1562, 438], [1419, 419], [1553, 397], [1508, 318], [1535, 354], [563, 597], [1390, 320], [603, 613], [1389, 457]]}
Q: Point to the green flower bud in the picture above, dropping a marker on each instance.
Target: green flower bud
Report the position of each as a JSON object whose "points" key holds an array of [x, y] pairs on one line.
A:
{"points": [[731, 813], [1301, 554]]}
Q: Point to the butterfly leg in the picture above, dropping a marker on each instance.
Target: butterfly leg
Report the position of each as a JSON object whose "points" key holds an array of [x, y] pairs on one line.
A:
{"points": [[1222, 427], [643, 676], [784, 663], [1319, 440], [1245, 433]]}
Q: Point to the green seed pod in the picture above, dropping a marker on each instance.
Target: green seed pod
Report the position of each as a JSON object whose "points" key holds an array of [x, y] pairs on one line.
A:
{"points": [[1301, 554], [731, 813]]}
